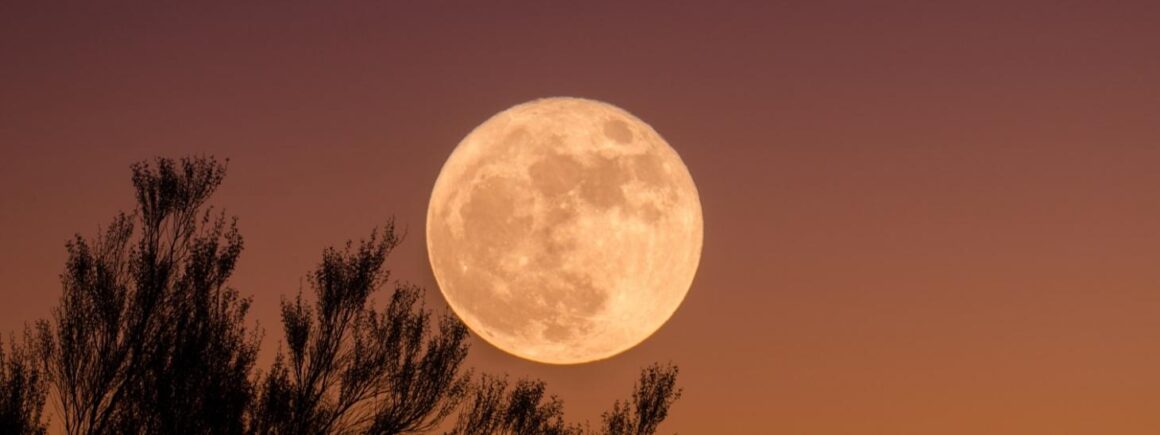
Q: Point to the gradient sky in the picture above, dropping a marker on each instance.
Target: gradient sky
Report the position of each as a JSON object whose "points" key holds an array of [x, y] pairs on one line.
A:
{"points": [[920, 218]]}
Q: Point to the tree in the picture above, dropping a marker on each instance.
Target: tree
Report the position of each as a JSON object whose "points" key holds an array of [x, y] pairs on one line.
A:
{"points": [[524, 409], [494, 409], [148, 338], [651, 398], [22, 391], [353, 369]]}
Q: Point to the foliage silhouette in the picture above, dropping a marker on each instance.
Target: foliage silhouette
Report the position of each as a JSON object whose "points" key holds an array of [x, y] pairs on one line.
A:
{"points": [[148, 338], [353, 369], [651, 398], [494, 409], [524, 409], [22, 391]]}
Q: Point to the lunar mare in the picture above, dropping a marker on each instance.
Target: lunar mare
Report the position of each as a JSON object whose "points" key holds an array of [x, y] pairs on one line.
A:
{"points": [[564, 230]]}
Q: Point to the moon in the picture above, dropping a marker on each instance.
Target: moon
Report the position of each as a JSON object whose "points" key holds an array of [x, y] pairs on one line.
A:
{"points": [[564, 230]]}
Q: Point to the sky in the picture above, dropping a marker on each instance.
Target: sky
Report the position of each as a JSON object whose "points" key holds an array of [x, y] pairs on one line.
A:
{"points": [[920, 217]]}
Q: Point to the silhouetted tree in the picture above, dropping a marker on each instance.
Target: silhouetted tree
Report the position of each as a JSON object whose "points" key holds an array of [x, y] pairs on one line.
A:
{"points": [[353, 369], [524, 409], [651, 398], [494, 409], [147, 337], [22, 391]]}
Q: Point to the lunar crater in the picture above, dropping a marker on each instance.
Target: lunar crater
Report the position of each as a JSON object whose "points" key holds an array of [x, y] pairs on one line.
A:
{"points": [[618, 131]]}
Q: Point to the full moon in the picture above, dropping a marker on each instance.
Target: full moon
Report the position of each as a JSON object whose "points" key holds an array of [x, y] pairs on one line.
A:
{"points": [[564, 230]]}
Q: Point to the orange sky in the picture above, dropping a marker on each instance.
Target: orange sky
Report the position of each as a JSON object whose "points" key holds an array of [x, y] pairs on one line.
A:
{"points": [[920, 218]]}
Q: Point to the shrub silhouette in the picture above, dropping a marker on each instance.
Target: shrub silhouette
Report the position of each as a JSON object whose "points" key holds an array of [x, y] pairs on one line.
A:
{"points": [[524, 409], [353, 369], [651, 398], [148, 338], [22, 391], [494, 409]]}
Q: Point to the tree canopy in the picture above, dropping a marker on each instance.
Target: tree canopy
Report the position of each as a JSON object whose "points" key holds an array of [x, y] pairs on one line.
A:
{"points": [[22, 391], [354, 369], [150, 338]]}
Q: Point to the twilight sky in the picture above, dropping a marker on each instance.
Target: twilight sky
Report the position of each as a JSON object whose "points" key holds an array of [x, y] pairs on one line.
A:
{"points": [[919, 217]]}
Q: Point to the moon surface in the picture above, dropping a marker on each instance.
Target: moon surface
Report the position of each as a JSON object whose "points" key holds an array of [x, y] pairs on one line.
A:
{"points": [[564, 230]]}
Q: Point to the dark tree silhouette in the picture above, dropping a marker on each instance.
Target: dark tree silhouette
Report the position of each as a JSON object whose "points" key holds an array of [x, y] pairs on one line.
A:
{"points": [[494, 409], [524, 409], [353, 369], [147, 337], [651, 398], [22, 391]]}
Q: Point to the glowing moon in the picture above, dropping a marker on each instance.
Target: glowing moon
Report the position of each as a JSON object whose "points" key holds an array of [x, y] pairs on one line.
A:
{"points": [[564, 230]]}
